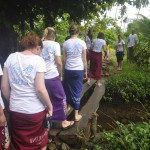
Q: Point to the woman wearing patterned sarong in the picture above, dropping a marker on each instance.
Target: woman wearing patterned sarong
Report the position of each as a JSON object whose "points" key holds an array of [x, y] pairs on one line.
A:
{"points": [[74, 56], [96, 58], [53, 76], [23, 86], [4, 134]]}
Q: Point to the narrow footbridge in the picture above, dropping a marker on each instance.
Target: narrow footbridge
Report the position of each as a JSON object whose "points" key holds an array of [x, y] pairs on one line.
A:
{"points": [[77, 135]]}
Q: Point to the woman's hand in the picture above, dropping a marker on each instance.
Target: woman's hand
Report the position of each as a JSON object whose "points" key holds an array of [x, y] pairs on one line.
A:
{"points": [[2, 119], [61, 78], [50, 112], [85, 75]]}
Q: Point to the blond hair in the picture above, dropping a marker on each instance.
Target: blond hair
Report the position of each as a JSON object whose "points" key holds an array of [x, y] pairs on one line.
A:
{"points": [[49, 33]]}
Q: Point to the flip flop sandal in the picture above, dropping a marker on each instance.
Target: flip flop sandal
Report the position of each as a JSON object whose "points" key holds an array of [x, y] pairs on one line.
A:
{"points": [[68, 127]]}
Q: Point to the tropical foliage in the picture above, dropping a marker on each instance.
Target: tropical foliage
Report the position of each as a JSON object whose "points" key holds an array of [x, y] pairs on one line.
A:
{"points": [[142, 53], [130, 137], [129, 86]]}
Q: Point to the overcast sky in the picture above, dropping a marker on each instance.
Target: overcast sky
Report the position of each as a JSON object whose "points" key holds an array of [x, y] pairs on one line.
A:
{"points": [[131, 12]]}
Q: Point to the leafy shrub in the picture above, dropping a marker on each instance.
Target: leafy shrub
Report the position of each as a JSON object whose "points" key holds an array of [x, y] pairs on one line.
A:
{"points": [[130, 85], [130, 137]]}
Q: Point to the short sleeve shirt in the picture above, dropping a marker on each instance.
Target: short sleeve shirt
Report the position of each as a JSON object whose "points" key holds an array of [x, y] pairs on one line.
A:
{"points": [[132, 39], [120, 46], [50, 50], [1, 101], [73, 49], [22, 70], [98, 45]]}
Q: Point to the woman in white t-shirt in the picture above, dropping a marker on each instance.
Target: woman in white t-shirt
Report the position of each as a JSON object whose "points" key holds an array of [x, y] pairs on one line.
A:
{"points": [[99, 44], [23, 86], [4, 135], [120, 48], [75, 64], [53, 77]]}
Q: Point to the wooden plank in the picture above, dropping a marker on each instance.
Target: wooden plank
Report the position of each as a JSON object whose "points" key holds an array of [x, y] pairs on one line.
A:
{"points": [[86, 111], [92, 105]]}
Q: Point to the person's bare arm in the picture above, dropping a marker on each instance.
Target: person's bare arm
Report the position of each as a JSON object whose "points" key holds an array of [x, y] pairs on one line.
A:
{"points": [[2, 117], [59, 65], [84, 63], [105, 48], [42, 92], [5, 86], [64, 59]]}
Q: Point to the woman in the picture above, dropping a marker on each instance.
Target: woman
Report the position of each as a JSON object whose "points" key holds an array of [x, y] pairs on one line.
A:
{"points": [[120, 48], [74, 56], [99, 44], [53, 77], [4, 135], [23, 86]]}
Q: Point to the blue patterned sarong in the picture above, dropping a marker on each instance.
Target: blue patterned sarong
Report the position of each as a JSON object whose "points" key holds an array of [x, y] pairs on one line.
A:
{"points": [[73, 81]]}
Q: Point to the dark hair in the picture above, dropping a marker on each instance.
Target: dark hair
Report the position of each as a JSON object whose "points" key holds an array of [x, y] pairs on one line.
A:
{"points": [[101, 35], [49, 33], [90, 34], [119, 35], [73, 30], [31, 40]]}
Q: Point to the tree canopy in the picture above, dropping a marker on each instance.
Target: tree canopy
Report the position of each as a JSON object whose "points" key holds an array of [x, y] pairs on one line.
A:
{"points": [[18, 12]]}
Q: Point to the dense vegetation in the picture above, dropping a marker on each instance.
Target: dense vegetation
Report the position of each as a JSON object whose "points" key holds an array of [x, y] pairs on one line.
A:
{"points": [[131, 85], [130, 137]]}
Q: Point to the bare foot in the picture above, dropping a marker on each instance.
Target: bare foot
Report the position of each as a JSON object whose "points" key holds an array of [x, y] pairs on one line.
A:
{"points": [[89, 82], [66, 124], [78, 117], [68, 108], [99, 84]]}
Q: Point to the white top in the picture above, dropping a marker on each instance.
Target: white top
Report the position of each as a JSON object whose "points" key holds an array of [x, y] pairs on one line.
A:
{"points": [[74, 49], [98, 45], [50, 50], [132, 39], [120, 45], [22, 70], [88, 42], [1, 101]]}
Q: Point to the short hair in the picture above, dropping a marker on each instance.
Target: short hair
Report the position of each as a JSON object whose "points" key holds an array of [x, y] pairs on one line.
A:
{"points": [[49, 33], [119, 36], [101, 35], [30, 40], [73, 30]]}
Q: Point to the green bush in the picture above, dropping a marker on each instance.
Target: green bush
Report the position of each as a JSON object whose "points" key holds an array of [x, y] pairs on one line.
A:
{"points": [[130, 85], [131, 137]]}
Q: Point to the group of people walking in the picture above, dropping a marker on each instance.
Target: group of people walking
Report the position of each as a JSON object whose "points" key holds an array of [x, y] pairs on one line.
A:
{"points": [[32, 85]]}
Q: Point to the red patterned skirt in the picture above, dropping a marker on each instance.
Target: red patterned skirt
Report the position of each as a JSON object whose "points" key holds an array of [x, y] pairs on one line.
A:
{"points": [[95, 65], [4, 138], [28, 131]]}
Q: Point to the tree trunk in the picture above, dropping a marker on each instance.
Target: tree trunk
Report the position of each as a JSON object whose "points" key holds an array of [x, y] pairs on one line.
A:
{"points": [[8, 41]]}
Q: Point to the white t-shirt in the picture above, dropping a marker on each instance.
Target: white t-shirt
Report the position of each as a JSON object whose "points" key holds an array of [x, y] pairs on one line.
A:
{"points": [[120, 45], [88, 42], [50, 50], [22, 70], [98, 45], [1, 101], [73, 49], [132, 39]]}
